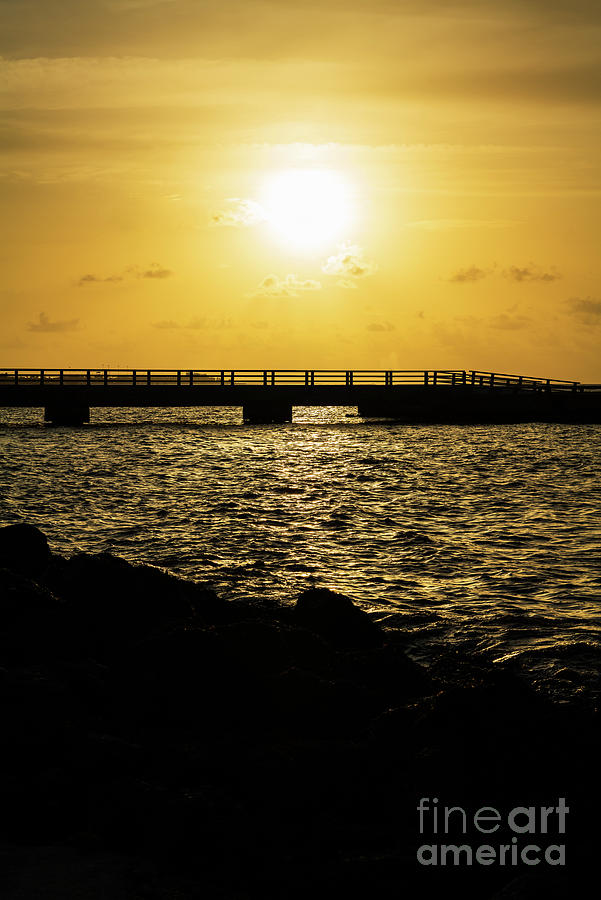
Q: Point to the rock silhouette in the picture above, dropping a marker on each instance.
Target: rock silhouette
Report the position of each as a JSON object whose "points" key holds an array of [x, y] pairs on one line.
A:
{"points": [[179, 745], [23, 548], [337, 619]]}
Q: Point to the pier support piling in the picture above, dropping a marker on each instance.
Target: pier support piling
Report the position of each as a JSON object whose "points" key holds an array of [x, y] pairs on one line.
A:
{"points": [[67, 414], [263, 413]]}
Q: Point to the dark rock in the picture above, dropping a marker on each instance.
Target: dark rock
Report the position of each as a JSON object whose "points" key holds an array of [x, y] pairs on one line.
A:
{"points": [[32, 623], [23, 599], [304, 703], [181, 678], [308, 650], [139, 816], [23, 548], [51, 872], [102, 757], [337, 619], [389, 672], [37, 710], [255, 647], [255, 752], [112, 601], [555, 886]]}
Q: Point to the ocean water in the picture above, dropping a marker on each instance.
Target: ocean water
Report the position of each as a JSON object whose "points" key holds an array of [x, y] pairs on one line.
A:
{"points": [[482, 538]]}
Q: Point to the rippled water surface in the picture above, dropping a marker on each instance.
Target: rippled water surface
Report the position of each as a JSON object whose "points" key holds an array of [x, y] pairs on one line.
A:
{"points": [[484, 537]]}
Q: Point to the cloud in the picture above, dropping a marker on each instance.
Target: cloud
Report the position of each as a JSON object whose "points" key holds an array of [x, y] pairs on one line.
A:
{"points": [[239, 214], [289, 286], [513, 273], [198, 323], [201, 323], [530, 273], [380, 326], [350, 264], [586, 310], [94, 279], [155, 270], [46, 326], [148, 27], [165, 324], [506, 322], [473, 273]]}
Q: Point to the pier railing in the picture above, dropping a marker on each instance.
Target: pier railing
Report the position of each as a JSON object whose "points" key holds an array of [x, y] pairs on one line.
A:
{"points": [[280, 377]]}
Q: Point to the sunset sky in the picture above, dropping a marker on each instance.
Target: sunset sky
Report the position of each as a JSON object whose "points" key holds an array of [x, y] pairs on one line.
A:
{"points": [[388, 184]]}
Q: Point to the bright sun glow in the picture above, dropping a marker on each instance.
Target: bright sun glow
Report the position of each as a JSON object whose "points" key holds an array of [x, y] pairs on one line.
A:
{"points": [[307, 208]]}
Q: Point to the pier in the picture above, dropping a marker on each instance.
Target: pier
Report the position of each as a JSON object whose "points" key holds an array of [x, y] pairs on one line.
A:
{"points": [[269, 395]]}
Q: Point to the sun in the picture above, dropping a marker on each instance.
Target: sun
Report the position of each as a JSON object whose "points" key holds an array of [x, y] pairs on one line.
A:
{"points": [[307, 208]]}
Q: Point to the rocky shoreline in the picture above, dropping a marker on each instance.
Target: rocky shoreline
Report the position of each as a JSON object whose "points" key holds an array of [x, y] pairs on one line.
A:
{"points": [[160, 742]]}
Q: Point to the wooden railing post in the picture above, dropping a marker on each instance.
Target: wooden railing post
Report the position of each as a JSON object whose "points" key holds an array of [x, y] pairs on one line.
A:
{"points": [[425, 378], [312, 378], [179, 377], [232, 377], [222, 379], [434, 374], [16, 377], [60, 377], [42, 377], [105, 377], [148, 377], [492, 379], [307, 378], [273, 377], [265, 378], [88, 378], [191, 377], [133, 377]]}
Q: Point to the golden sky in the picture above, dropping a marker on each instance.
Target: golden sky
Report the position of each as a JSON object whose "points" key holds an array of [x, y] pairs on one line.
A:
{"points": [[302, 184]]}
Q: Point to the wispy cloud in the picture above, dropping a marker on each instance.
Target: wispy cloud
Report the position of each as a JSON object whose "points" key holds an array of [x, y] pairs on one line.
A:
{"points": [[380, 326], [586, 310], [289, 286], [472, 273], [530, 273], [94, 279], [204, 323], [349, 264], [506, 322], [198, 323], [512, 273], [155, 271], [46, 325], [239, 213]]}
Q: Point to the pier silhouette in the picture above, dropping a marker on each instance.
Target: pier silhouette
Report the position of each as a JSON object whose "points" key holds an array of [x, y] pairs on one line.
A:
{"points": [[269, 395]]}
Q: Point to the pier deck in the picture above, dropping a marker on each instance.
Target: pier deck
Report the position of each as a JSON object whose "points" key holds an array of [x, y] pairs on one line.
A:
{"points": [[268, 395]]}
